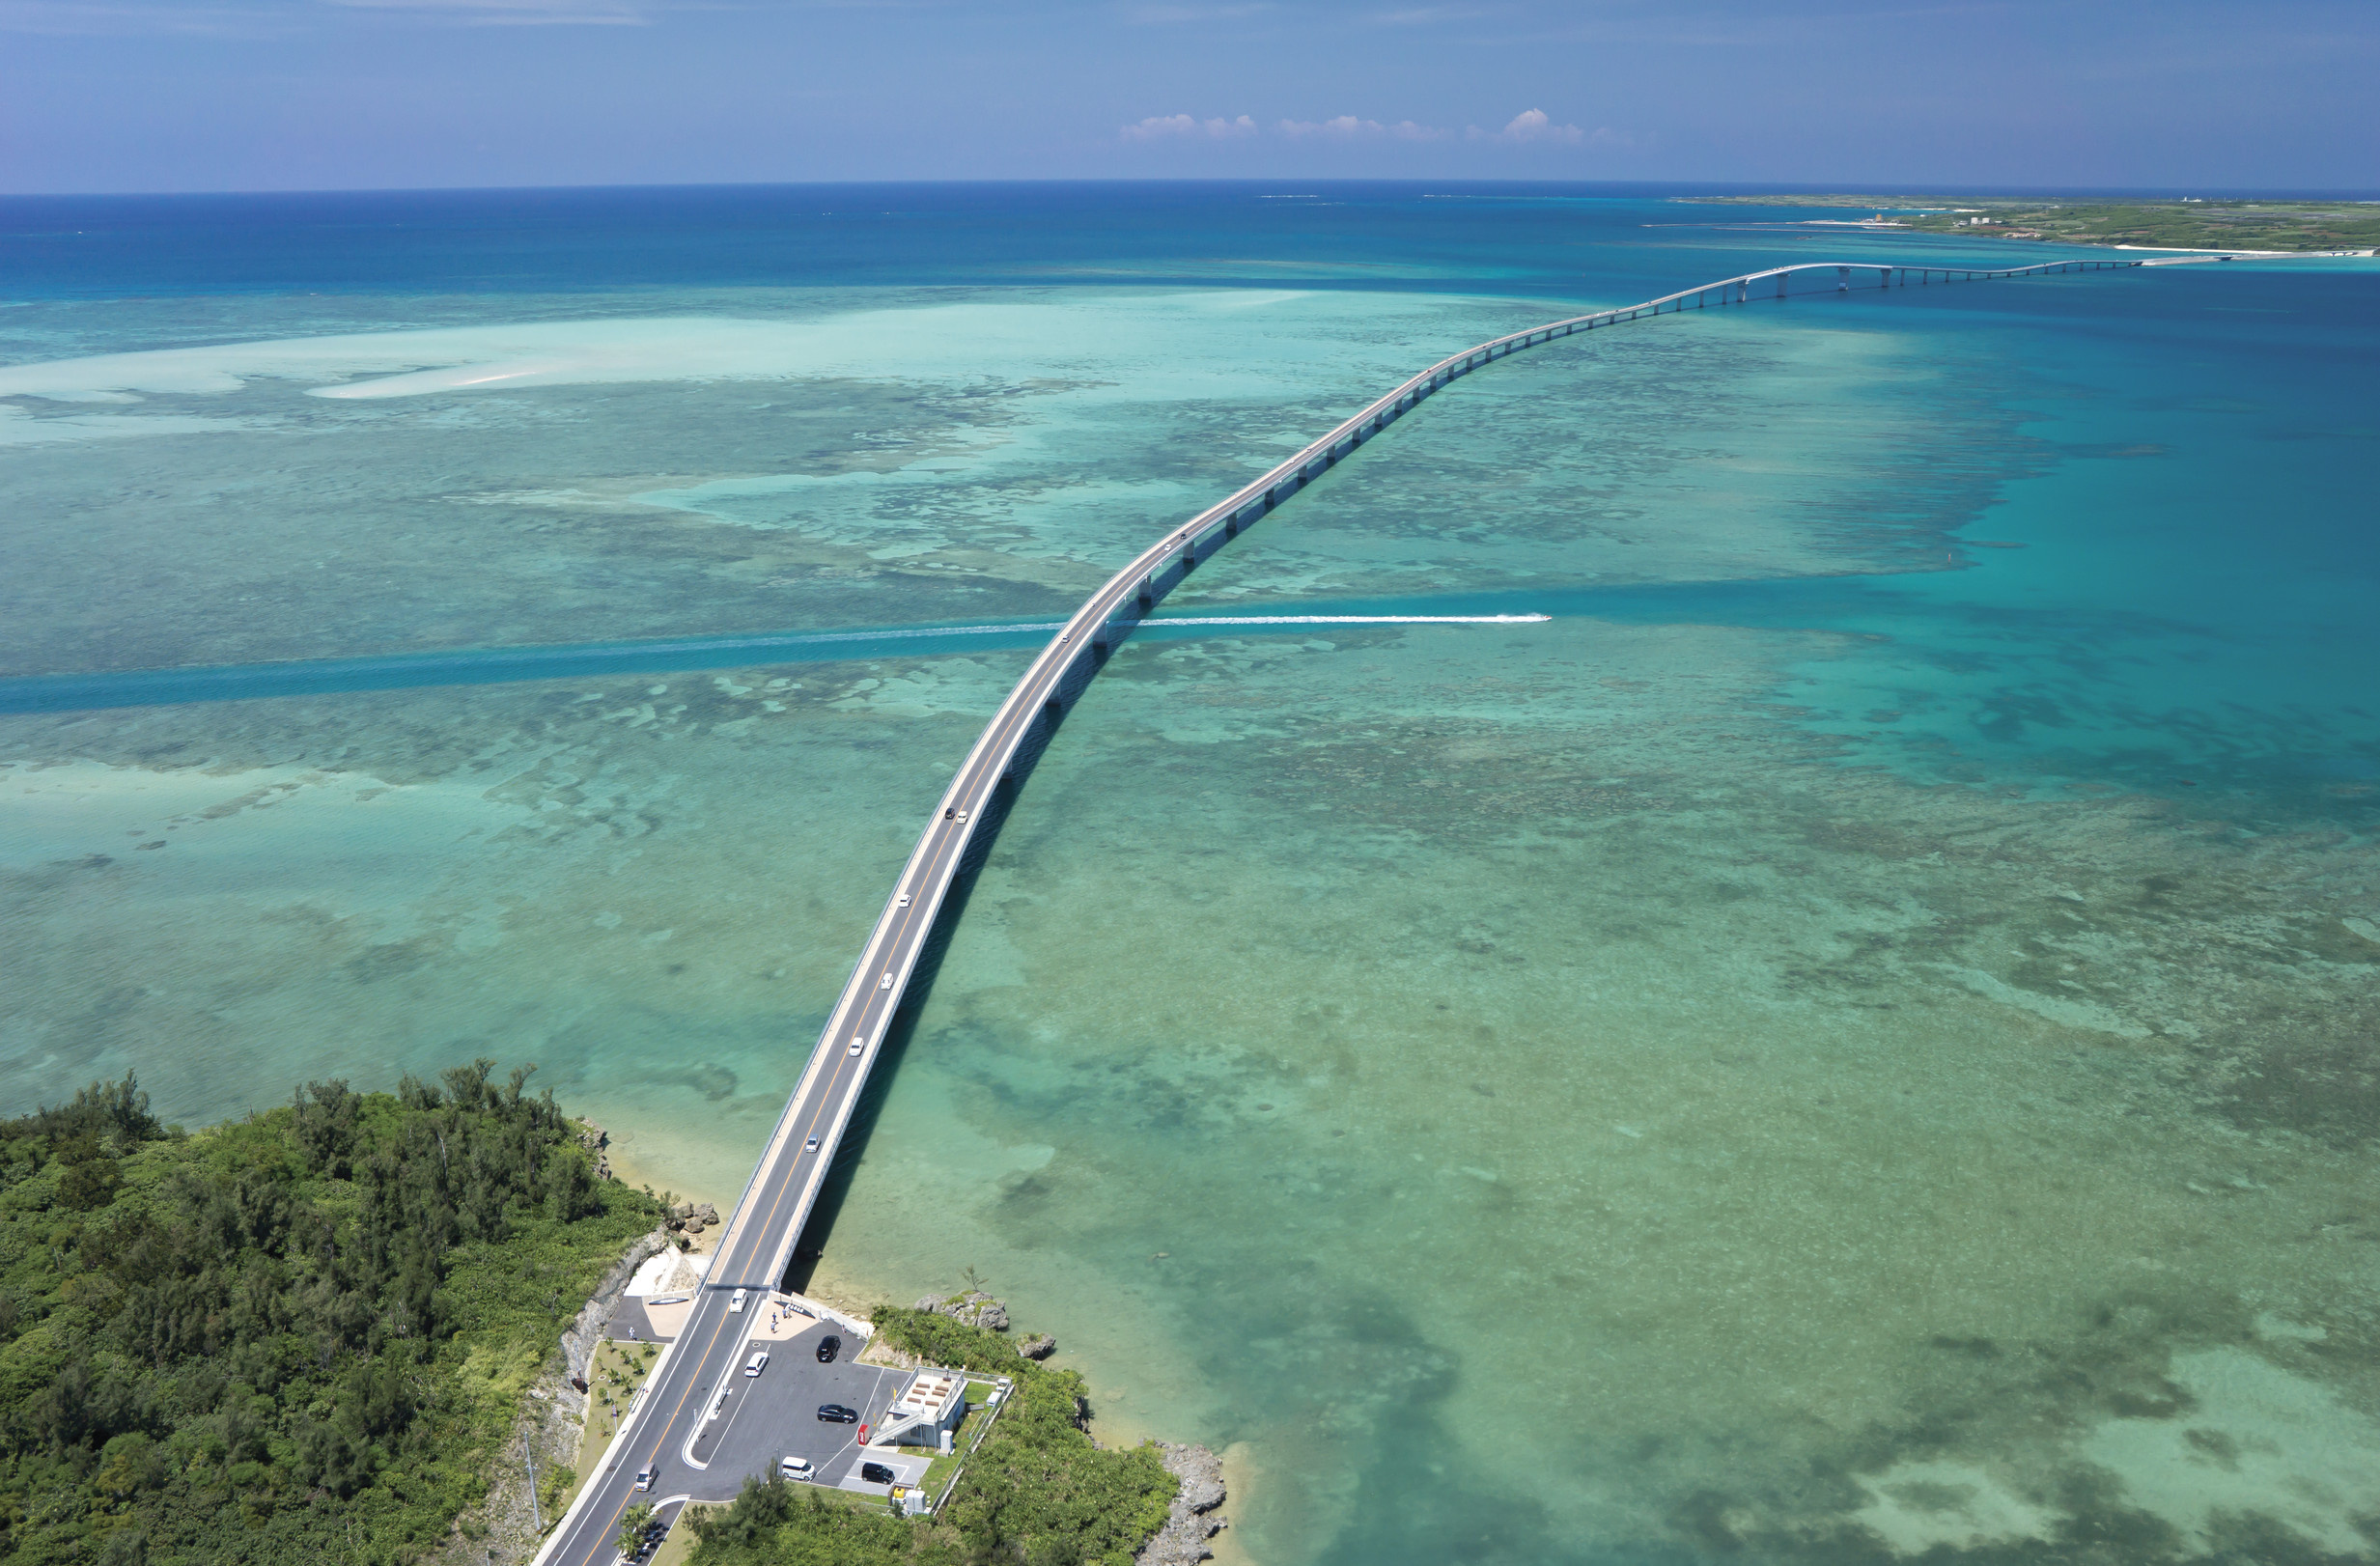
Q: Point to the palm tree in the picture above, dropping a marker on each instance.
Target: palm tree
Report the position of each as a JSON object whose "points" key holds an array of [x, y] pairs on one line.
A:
{"points": [[632, 1525]]}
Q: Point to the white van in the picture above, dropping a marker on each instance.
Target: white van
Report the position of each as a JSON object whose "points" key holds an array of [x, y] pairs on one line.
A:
{"points": [[796, 1469]]}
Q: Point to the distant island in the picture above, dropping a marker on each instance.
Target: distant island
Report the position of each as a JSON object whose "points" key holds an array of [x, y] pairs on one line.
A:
{"points": [[2280, 227], [351, 1330]]}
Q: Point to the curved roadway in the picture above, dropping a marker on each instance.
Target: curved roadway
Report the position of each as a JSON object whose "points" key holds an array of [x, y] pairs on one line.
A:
{"points": [[756, 1247]]}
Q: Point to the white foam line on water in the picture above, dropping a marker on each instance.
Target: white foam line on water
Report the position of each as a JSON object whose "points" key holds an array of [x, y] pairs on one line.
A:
{"points": [[1353, 619], [1154, 623]]}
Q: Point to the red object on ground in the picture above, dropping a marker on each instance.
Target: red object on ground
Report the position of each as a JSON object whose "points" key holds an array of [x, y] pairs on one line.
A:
{"points": [[863, 1435]]}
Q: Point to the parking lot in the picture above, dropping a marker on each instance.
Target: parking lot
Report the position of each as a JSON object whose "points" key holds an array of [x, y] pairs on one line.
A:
{"points": [[774, 1414]]}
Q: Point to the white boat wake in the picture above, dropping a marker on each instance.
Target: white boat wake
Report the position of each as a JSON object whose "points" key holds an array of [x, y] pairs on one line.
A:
{"points": [[1349, 620]]}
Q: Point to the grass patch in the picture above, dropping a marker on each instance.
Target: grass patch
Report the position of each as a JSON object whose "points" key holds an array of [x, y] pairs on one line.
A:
{"points": [[618, 1371]]}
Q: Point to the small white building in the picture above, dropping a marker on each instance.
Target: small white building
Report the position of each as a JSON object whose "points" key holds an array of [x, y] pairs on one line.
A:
{"points": [[926, 1412]]}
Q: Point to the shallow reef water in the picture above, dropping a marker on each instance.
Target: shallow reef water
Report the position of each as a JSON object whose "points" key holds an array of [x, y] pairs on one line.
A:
{"points": [[1853, 1040]]}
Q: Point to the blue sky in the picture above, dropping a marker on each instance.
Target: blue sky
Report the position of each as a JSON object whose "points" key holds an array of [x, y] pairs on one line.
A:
{"points": [[222, 95]]}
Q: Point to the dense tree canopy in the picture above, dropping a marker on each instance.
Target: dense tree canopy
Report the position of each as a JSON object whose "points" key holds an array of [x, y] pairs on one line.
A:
{"points": [[290, 1338]]}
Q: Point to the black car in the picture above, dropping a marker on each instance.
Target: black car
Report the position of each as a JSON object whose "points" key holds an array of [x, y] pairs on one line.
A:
{"points": [[836, 1413], [828, 1348], [875, 1474]]}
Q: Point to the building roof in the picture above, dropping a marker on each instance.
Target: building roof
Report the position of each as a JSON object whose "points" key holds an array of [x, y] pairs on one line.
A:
{"points": [[927, 1394]]}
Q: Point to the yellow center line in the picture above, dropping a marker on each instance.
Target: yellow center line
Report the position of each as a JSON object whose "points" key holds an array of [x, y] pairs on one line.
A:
{"points": [[822, 1095]]}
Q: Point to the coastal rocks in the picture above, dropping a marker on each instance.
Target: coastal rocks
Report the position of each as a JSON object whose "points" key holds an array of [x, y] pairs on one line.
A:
{"points": [[974, 1307], [1191, 1523], [1037, 1346], [692, 1217], [594, 1138]]}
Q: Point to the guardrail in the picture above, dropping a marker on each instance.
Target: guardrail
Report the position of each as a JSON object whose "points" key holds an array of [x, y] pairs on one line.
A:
{"points": [[1088, 633], [1253, 500], [1066, 662]]}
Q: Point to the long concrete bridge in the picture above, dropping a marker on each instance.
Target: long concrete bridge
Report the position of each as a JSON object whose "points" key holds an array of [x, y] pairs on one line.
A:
{"points": [[756, 1248]]}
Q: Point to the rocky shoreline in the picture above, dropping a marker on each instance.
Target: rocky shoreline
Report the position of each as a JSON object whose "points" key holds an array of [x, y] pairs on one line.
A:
{"points": [[1194, 1518], [503, 1529]]}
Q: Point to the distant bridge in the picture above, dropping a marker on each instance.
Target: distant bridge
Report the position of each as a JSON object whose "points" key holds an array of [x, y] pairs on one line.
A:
{"points": [[756, 1248]]}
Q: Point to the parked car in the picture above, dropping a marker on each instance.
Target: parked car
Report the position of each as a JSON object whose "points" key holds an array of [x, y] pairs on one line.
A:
{"points": [[875, 1474], [757, 1363], [735, 1301], [796, 1469], [837, 1413], [828, 1348]]}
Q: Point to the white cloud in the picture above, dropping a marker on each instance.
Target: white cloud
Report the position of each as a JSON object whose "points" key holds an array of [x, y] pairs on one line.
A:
{"points": [[1161, 127], [1347, 127], [1532, 126]]}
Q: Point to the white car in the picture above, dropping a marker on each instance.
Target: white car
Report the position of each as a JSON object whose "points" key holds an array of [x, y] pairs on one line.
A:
{"points": [[858, 1044], [885, 983], [810, 1146], [901, 900], [757, 1363], [797, 1467], [735, 1301], [644, 1477]]}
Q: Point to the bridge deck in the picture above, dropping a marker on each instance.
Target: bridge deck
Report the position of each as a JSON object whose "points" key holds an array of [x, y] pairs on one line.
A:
{"points": [[756, 1247]]}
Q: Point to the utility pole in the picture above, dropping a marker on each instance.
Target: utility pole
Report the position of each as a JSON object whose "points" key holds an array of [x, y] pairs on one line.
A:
{"points": [[534, 1515]]}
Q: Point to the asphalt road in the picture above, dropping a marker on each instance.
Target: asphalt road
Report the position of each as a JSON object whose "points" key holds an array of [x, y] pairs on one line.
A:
{"points": [[774, 1415], [758, 1243]]}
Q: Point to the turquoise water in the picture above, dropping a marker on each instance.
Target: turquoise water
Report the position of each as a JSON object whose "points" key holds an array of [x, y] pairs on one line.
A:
{"points": [[1851, 1040]]}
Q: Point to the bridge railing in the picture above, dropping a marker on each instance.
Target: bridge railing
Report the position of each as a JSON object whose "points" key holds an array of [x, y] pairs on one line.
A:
{"points": [[1085, 633], [1260, 495]]}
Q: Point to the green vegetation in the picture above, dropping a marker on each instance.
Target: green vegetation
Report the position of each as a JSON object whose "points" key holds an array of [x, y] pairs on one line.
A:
{"points": [[299, 1337], [2181, 225], [634, 1523], [614, 1377], [1036, 1492]]}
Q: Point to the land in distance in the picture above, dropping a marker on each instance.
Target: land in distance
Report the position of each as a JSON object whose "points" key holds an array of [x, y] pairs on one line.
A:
{"points": [[2181, 224]]}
